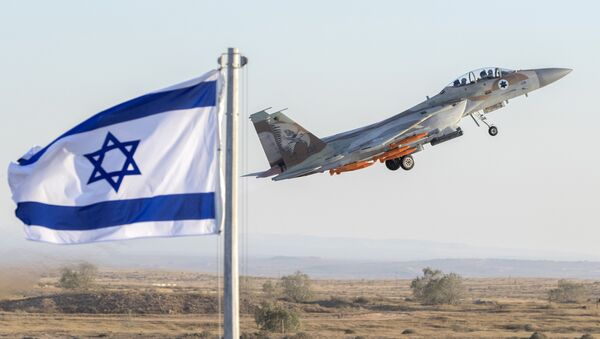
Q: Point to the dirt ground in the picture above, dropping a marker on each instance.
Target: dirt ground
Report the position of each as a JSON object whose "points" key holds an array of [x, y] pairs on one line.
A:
{"points": [[160, 304]]}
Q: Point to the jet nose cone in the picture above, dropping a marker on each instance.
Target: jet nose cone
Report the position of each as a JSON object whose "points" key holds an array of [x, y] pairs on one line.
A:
{"points": [[550, 75]]}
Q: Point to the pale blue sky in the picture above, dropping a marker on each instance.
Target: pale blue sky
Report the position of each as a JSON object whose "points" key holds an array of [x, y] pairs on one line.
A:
{"points": [[339, 65]]}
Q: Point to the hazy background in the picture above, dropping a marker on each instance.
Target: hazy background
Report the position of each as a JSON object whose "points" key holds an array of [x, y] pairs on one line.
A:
{"points": [[530, 192]]}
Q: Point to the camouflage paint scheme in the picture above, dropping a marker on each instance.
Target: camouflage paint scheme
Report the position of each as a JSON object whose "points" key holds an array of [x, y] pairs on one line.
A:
{"points": [[292, 151]]}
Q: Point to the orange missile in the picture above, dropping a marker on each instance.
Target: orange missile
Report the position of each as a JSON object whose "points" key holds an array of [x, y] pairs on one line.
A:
{"points": [[397, 154], [389, 153], [351, 167], [408, 140]]}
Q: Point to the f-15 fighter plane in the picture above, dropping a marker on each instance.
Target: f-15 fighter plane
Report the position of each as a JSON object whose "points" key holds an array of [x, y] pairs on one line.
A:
{"points": [[292, 151]]}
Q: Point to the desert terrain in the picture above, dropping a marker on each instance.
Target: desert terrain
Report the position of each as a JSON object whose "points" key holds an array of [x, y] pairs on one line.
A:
{"points": [[165, 304]]}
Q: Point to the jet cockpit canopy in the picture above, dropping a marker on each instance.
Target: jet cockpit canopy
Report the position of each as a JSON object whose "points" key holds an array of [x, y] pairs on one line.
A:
{"points": [[478, 75]]}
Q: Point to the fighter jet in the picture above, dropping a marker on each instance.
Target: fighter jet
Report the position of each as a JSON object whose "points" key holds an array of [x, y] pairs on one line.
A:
{"points": [[292, 151]]}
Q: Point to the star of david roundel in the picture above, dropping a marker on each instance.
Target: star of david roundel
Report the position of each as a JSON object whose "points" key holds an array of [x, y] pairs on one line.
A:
{"points": [[503, 84], [115, 174]]}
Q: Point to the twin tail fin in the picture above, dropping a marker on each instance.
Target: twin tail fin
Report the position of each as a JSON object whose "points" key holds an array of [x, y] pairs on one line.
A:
{"points": [[284, 141]]}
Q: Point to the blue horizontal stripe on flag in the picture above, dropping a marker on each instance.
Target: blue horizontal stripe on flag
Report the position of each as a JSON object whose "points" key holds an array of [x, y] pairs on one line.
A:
{"points": [[192, 206], [203, 94]]}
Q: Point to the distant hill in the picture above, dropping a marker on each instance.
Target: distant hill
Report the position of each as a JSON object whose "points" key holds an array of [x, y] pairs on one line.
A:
{"points": [[324, 268], [390, 249], [324, 257]]}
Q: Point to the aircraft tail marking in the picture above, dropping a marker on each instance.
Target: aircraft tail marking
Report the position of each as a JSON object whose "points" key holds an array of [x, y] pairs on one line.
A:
{"points": [[284, 141]]}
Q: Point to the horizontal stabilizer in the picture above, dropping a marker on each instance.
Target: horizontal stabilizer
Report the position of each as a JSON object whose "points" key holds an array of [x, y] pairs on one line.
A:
{"points": [[265, 174]]}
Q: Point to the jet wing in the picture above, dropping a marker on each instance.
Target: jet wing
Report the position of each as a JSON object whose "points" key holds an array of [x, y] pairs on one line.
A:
{"points": [[389, 135], [402, 128]]}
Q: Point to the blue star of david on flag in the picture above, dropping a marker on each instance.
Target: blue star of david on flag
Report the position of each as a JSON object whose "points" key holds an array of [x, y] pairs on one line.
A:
{"points": [[77, 189], [114, 178]]}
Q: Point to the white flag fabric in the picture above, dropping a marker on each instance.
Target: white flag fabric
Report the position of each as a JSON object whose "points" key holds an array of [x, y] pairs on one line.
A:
{"points": [[145, 168]]}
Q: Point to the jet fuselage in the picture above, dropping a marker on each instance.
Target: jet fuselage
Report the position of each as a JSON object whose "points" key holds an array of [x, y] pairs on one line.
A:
{"points": [[293, 151]]}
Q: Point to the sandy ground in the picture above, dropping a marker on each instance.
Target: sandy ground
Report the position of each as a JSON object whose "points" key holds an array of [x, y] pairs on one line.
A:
{"points": [[494, 308]]}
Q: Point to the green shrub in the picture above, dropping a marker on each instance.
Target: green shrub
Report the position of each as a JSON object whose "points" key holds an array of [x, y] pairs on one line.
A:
{"points": [[274, 317], [435, 287], [296, 287]]}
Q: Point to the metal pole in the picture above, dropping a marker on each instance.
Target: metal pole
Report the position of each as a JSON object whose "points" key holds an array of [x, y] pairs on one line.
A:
{"points": [[233, 62]]}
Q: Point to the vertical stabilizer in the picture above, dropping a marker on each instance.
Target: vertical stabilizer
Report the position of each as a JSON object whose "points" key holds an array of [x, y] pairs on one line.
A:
{"points": [[285, 142], [267, 140]]}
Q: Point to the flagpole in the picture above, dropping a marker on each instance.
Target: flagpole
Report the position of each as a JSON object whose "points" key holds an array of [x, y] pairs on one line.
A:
{"points": [[232, 62]]}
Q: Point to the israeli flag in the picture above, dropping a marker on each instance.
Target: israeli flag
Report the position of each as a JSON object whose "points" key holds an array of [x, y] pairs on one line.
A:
{"points": [[148, 167]]}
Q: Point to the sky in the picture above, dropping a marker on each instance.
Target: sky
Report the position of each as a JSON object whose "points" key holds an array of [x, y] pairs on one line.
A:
{"points": [[337, 65]]}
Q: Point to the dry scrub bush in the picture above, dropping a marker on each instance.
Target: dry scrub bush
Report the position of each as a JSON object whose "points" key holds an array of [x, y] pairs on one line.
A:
{"points": [[81, 276], [568, 292], [435, 287], [296, 287], [48, 305], [274, 317], [269, 290], [538, 335]]}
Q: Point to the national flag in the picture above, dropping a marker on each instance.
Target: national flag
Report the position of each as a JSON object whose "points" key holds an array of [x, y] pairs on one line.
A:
{"points": [[145, 168]]}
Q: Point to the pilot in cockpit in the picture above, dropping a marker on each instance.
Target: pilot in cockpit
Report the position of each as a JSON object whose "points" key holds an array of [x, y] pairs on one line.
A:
{"points": [[490, 73], [463, 81], [456, 83], [483, 74]]}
